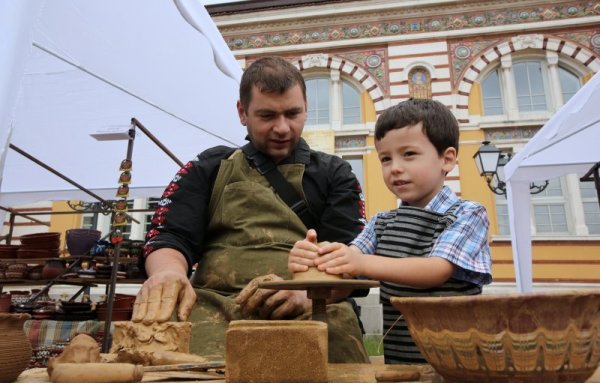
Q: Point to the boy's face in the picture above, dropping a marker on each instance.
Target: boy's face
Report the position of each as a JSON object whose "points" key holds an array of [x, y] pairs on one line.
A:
{"points": [[412, 168]]}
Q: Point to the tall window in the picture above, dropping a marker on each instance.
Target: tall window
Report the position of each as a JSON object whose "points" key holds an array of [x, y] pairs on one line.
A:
{"points": [[492, 94], [356, 162], [591, 209], [351, 104], [332, 102], [569, 83], [549, 210], [419, 83], [529, 83], [317, 98]]}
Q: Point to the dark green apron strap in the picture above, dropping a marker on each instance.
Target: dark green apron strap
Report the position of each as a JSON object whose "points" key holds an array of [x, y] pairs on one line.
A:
{"points": [[288, 194]]}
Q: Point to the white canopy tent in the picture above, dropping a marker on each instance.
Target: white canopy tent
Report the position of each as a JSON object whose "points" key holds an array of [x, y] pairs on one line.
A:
{"points": [[567, 143], [72, 68]]}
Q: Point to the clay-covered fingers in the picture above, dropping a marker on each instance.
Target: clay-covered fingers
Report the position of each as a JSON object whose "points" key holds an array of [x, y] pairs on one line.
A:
{"points": [[141, 305], [159, 296], [286, 304], [252, 286], [187, 299], [251, 297]]}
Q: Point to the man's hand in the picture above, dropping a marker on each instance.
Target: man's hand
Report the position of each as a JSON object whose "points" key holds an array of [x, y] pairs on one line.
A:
{"points": [[167, 285], [271, 304], [303, 254]]}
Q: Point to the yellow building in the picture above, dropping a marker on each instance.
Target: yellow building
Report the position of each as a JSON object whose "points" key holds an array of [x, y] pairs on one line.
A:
{"points": [[503, 68]]}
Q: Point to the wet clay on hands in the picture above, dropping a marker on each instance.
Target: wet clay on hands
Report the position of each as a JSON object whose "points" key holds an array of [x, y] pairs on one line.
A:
{"points": [[251, 297], [158, 303]]}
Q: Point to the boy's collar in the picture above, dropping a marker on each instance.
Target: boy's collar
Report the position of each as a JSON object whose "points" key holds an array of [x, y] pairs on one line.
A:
{"points": [[441, 201]]}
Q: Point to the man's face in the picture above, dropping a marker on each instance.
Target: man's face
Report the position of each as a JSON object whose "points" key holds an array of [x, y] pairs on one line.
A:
{"points": [[275, 121]]}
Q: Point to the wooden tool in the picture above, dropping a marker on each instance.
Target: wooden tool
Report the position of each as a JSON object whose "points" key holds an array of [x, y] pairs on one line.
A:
{"points": [[186, 367], [398, 376]]}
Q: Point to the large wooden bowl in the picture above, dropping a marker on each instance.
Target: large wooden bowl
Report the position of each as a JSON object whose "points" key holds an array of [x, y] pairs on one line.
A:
{"points": [[525, 338]]}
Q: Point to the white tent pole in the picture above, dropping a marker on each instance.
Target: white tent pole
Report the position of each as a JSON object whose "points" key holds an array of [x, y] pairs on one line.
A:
{"points": [[16, 22], [518, 215]]}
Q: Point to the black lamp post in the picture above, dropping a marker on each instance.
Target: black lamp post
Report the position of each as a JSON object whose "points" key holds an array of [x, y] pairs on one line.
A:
{"points": [[490, 162]]}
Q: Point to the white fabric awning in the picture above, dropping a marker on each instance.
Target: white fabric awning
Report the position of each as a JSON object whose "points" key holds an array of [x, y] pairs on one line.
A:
{"points": [[74, 68]]}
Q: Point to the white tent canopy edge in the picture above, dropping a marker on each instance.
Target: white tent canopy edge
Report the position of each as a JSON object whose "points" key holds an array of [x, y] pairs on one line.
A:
{"points": [[567, 143], [70, 69]]}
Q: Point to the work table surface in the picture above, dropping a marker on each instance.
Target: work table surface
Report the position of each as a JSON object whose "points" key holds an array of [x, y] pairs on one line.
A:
{"points": [[338, 373]]}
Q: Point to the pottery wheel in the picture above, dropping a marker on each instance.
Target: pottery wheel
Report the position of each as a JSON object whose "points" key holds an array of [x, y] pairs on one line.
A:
{"points": [[318, 290]]}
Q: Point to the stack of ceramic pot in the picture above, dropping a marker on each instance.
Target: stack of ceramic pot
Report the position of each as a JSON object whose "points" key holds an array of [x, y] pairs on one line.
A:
{"points": [[39, 245], [8, 251]]}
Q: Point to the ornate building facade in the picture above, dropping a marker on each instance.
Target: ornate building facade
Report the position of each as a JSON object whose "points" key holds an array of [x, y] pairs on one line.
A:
{"points": [[502, 67]]}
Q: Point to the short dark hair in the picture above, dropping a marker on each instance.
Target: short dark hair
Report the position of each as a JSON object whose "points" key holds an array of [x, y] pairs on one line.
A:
{"points": [[439, 124], [270, 74]]}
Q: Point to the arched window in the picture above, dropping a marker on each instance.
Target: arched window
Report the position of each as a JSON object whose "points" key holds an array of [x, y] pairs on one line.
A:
{"points": [[419, 83], [332, 102], [526, 87]]}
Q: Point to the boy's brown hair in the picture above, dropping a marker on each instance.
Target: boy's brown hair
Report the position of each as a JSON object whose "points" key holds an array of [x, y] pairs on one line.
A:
{"points": [[439, 124]]}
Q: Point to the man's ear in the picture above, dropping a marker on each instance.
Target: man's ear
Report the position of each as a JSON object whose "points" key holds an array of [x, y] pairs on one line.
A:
{"points": [[241, 113], [449, 158]]}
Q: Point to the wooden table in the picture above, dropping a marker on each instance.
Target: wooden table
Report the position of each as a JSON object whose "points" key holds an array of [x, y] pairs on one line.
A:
{"points": [[338, 373]]}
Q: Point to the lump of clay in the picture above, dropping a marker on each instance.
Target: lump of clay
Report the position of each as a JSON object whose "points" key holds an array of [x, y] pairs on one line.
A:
{"points": [[82, 349], [168, 336]]}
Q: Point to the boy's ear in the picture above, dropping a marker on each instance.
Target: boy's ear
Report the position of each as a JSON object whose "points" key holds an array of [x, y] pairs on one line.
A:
{"points": [[449, 158]]}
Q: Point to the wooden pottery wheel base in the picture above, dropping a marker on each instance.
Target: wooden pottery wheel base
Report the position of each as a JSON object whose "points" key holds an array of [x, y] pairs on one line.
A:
{"points": [[318, 286]]}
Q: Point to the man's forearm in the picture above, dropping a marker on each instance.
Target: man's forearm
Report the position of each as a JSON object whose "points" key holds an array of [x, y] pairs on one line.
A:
{"points": [[166, 259]]}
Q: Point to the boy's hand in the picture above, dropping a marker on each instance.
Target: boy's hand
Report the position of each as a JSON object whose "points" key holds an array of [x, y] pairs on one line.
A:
{"points": [[337, 258], [303, 254]]}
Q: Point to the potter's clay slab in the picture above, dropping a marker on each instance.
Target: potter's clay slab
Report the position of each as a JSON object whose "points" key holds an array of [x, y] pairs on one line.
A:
{"points": [[167, 336], [271, 351]]}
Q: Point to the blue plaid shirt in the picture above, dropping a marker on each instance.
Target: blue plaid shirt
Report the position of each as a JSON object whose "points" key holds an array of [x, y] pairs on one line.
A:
{"points": [[464, 243]]}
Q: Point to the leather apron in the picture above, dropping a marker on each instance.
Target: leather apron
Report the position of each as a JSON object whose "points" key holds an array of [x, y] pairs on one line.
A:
{"points": [[250, 233], [411, 232]]}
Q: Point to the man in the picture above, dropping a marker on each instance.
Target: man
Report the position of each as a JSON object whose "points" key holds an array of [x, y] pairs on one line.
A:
{"points": [[221, 213]]}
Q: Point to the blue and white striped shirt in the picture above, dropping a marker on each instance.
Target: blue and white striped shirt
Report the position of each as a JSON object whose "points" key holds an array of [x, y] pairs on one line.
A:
{"points": [[464, 243]]}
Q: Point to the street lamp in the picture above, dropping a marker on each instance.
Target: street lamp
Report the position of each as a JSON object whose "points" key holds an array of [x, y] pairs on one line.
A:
{"points": [[490, 162]]}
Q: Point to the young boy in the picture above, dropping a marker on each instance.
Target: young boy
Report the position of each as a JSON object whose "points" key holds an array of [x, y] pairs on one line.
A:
{"points": [[434, 244]]}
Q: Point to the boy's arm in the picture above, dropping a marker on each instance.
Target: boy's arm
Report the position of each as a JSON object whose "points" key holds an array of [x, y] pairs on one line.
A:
{"points": [[412, 271]]}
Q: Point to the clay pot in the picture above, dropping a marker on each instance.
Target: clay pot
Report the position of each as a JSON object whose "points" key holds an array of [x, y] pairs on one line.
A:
{"points": [[53, 269], [526, 338], [15, 350], [5, 301], [80, 241]]}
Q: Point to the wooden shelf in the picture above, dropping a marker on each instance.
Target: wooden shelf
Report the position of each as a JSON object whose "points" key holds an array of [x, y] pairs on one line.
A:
{"points": [[93, 282], [66, 259]]}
